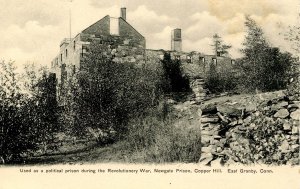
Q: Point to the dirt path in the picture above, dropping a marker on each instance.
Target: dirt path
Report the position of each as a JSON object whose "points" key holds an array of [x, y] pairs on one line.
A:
{"points": [[91, 154]]}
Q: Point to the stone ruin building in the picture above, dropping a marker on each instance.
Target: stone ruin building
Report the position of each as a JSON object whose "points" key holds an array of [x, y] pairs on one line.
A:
{"points": [[129, 45]]}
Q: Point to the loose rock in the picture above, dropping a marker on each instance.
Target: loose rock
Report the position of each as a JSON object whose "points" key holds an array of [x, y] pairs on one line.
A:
{"points": [[282, 113]]}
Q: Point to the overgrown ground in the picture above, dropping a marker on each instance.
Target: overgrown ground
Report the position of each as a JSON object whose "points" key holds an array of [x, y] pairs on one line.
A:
{"points": [[83, 152]]}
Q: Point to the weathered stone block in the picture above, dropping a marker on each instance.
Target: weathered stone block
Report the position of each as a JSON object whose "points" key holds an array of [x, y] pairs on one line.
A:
{"points": [[205, 158], [295, 130], [295, 115], [205, 132], [209, 109], [282, 113], [230, 110], [279, 105], [209, 119], [284, 147], [287, 126]]}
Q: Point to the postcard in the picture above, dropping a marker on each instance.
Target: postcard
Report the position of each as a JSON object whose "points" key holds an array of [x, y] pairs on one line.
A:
{"points": [[150, 94]]}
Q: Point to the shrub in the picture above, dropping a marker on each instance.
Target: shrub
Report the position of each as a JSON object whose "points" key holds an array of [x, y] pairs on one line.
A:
{"points": [[27, 119], [217, 82], [107, 94], [262, 66], [176, 82]]}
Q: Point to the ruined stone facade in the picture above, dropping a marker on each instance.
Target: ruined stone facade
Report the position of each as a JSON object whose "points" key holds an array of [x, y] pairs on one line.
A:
{"points": [[127, 45], [115, 32]]}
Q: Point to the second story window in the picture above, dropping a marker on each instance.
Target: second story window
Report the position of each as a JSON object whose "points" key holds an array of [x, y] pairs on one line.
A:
{"points": [[60, 57], [66, 53]]}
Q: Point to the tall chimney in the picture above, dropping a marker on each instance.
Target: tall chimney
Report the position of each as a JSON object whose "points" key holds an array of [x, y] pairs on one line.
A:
{"points": [[123, 13], [176, 41]]}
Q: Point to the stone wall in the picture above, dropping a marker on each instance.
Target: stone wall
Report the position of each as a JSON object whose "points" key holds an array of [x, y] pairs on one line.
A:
{"points": [[101, 27], [264, 132], [194, 64], [132, 35]]}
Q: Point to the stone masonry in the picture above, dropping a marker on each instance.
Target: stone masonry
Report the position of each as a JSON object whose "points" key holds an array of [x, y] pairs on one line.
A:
{"points": [[266, 132]]}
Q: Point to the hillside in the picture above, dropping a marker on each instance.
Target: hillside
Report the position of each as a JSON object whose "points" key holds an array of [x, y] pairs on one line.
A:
{"points": [[245, 129]]}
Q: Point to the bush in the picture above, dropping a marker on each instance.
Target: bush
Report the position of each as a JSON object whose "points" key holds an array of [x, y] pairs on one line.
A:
{"points": [[262, 66], [107, 94], [218, 82], [27, 119], [174, 78]]}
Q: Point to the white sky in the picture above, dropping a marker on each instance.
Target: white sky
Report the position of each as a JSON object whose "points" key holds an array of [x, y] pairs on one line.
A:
{"points": [[31, 30]]}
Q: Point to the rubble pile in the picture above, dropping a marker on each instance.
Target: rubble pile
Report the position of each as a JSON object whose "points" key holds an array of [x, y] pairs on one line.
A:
{"points": [[266, 132]]}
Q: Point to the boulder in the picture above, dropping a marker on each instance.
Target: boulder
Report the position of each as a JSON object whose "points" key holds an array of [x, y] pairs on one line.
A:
{"points": [[295, 130], [205, 158], [209, 109], [251, 108], [284, 147], [279, 105], [295, 137], [282, 113], [295, 115], [293, 106], [287, 126], [230, 110]]}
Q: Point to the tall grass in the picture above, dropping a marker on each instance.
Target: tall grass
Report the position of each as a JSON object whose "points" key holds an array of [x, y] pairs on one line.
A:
{"points": [[159, 141]]}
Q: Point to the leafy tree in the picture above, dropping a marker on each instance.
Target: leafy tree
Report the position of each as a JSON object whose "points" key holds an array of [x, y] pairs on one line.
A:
{"points": [[108, 94], [263, 67], [24, 120], [293, 36], [213, 80], [219, 47]]}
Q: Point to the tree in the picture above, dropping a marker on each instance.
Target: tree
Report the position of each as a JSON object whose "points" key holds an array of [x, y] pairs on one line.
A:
{"points": [[219, 47], [175, 80], [109, 94], [293, 35], [263, 67], [25, 120]]}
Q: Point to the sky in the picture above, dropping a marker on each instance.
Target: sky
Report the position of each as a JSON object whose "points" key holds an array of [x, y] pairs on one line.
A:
{"points": [[31, 30]]}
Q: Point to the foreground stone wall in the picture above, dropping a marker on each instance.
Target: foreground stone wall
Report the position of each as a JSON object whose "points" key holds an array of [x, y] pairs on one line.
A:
{"points": [[263, 132]]}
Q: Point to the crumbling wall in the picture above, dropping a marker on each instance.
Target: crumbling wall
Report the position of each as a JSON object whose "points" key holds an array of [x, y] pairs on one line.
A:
{"points": [[265, 132]]}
